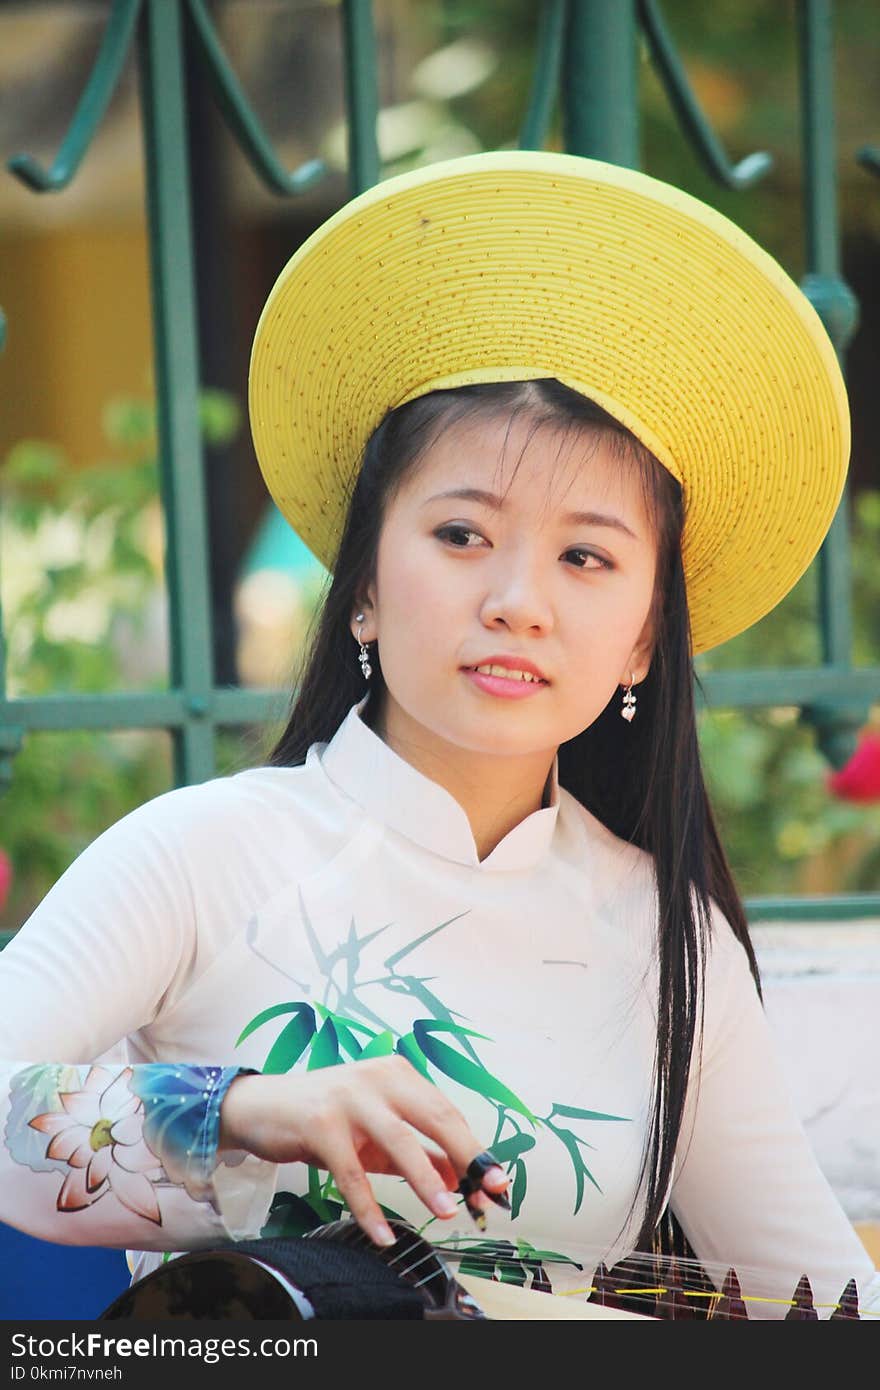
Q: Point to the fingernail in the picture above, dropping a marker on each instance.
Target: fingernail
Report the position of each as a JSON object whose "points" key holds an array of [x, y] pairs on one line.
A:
{"points": [[381, 1234], [500, 1199], [444, 1204], [494, 1173]]}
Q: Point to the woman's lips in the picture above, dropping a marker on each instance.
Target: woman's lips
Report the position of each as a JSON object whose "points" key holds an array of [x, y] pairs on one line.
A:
{"points": [[508, 688]]}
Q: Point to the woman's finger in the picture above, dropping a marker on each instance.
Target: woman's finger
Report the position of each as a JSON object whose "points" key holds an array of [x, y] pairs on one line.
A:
{"points": [[408, 1158], [434, 1115], [341, 1159], [375, 1159]]}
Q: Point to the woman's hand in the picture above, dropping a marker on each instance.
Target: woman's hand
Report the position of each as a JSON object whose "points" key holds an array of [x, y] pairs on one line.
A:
{"points": [[355, 1119]]}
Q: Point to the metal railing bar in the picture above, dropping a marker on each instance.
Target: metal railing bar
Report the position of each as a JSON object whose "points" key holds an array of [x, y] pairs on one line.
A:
{"points": [[838, 308], [94, 101], [843, 907], [792, 686], [361, 95], [230, 705], [116, 711], [170, 709], [545, 79], [55, 712], [247, 706], [172, 284], [599, 82], [685, 105], [240, 117], [815, 42]]}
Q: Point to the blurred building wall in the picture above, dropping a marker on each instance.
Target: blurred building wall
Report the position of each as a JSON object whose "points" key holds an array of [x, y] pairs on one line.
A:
{"points": [[76, 300]]}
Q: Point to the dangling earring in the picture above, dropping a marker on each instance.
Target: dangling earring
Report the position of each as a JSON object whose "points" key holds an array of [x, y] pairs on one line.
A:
{"points": [[363, 655], [628, 709]]}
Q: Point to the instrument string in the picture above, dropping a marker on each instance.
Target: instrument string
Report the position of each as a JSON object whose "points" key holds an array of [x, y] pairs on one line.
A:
{"points": [[418, 1244], [638, 1275], [663, 1276]]}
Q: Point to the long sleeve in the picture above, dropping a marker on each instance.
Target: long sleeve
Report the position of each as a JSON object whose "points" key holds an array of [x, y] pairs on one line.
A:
{"points": [[113, 1155], [93, 1151], [749, 1192]]}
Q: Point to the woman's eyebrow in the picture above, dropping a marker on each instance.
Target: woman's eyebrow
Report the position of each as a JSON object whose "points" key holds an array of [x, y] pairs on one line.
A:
{"points": [[491, 499]]}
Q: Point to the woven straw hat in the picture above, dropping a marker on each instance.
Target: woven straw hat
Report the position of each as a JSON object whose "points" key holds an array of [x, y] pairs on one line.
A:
{"points": [[514, 265]]}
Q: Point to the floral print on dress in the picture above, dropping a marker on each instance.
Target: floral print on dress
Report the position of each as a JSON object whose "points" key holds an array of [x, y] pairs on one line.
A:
{"points": [[99, 1134], [125, 1132]]}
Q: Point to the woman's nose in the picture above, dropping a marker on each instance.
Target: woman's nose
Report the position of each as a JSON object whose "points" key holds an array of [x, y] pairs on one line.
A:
{"points": [[518, 593]]}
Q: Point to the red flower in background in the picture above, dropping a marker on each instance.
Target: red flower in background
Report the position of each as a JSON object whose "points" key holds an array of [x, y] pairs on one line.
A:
{"points": [[859, 779], [5, 877]]}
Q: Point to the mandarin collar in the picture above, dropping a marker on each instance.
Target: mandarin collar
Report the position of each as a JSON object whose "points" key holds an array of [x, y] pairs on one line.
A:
{"points": [[360, 764]]}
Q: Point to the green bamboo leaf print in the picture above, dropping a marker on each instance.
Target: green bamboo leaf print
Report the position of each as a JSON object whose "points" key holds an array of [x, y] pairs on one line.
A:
{"points": [[580, 1168], [443, 1025], [347, 1040], [415, 988], [345, 1029], [495, 1260], [477, 1247], [572, 1113], [331, 1192], [269, 1014], [530, 1252], [291, 1042], [409, 1048], [391, 962], [290, 1215], [381, 1046], [323, 1209], [460, 1068], [475, 1267], [518, 1194], [510, 1148], [351, 951], [325, 1048]]}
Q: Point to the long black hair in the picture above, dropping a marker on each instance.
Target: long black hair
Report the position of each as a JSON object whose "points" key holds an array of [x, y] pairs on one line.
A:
{"points": [[647, 789]]}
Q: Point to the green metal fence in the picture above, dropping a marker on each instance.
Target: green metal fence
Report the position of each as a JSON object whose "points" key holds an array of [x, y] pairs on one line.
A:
{"points": [[586, 57]]}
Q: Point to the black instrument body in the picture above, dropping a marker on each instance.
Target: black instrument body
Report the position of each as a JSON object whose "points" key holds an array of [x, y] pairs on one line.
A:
{"points": [[333, 1271]]}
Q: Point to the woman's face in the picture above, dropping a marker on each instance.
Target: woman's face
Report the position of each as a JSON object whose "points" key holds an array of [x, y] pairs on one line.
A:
{"points": [[460, 581]]}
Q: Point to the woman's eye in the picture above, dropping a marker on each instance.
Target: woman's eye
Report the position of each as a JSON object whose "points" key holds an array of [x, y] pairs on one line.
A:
{"points": [[586, 559], [591, 560], [445, 531]]}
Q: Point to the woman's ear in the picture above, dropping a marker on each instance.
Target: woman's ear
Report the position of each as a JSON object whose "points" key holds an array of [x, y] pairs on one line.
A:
{"points": [[363, 620], [639, 663]]}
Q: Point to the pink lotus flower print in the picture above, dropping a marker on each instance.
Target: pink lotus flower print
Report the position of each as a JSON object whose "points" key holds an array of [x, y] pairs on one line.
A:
{"points": [[99, 1134]]}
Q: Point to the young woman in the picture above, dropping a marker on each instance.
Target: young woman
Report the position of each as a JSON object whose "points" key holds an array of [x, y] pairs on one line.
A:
{"points": [[554, 427]]}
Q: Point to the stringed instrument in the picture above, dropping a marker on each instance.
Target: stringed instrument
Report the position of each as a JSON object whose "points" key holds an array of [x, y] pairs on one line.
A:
{"points": [[335, 1271], [659, 1286]]}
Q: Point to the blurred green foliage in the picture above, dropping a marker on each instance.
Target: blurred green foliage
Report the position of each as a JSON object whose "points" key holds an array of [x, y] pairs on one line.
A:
{"points": [[783, 830], [81, 581]]}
